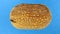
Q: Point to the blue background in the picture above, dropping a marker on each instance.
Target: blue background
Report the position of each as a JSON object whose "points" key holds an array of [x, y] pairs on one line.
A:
{"points": [[7, 5]]}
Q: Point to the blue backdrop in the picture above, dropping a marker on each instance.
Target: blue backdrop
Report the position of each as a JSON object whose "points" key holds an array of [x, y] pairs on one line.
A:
{"points": [[7, 5]]}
